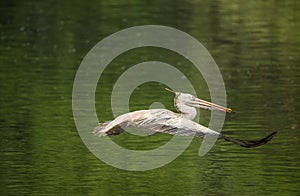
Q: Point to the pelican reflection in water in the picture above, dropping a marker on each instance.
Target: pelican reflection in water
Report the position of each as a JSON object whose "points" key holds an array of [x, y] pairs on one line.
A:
{"points": [[166, 121]]}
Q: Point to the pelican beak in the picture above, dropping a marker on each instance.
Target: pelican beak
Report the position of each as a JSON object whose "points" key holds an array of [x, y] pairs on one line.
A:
{"points": [[167, 89], [211, 106]]}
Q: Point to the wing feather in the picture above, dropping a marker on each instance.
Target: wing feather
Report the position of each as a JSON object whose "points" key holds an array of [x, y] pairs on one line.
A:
{"points": [[158, 120]]}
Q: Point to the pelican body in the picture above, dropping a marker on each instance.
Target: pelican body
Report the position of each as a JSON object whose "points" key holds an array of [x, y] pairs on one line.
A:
{"points": [[166, 121]]}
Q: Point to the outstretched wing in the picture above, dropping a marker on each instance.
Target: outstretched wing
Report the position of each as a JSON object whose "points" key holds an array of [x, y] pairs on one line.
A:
{"points": [[165, 121], [249, 143], [158, 120]]}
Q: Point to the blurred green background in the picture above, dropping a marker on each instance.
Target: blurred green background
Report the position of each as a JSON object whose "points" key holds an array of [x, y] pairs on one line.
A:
{"points": [[255, 44]]}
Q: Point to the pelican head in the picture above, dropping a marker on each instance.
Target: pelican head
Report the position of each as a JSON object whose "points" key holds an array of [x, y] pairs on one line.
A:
{"points": [[184, 100]]}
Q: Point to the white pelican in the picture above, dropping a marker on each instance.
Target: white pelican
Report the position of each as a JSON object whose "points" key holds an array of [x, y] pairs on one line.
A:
{"points": [[166, 121]]}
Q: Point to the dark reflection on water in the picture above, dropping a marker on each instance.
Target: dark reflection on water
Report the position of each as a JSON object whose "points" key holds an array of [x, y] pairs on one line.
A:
{"points": [[255, 44]]}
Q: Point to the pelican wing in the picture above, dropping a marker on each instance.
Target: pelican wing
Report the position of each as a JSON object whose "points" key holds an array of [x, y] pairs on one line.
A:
{"points": [[175, 125], [250, 143], [158, 120], [165, 121]]}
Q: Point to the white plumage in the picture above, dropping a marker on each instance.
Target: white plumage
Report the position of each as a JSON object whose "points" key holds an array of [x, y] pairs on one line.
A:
{"points": [[166, 121]]}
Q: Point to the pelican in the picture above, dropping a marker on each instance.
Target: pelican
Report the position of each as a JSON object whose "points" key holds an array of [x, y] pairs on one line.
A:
{"points": [[181, 123]]}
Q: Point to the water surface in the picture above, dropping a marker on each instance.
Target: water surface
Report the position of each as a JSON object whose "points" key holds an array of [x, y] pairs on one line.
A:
{"points": [[255, 44]]}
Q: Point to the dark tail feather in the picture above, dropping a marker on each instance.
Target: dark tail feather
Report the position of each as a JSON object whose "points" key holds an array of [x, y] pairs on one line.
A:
{"points": [[113, 131], [249, 143]]}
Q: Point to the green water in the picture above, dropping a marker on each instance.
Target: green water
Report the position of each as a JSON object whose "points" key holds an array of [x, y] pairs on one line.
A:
{"points": [[254, 43]]}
